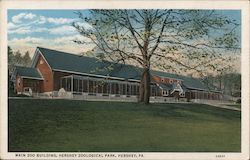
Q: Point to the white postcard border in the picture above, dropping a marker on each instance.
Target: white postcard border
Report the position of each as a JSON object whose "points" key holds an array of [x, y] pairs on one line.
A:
{"points": [[111, 4]]}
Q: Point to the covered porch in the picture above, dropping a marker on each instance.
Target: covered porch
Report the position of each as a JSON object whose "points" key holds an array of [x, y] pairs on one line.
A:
{"points": [[89, 85]]}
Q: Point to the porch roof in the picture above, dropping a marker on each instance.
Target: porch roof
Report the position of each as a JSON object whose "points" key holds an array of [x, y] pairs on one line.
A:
{"points": [[166, 86], [28, 72]]}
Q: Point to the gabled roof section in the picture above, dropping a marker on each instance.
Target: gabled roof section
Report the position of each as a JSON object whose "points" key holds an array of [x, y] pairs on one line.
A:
{"points": [[193, 83], [62, 61], [189, 82], [28, 72], [165, 86], [72, 63]]}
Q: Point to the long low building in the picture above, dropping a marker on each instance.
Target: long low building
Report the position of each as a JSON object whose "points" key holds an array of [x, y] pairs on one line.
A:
{"points": [[54, 72]]}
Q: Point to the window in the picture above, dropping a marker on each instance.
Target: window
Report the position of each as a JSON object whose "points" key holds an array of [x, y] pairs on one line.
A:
{"points": [[171, 81], [164, 93], [182, 94], [18, 81], [41, 61]]}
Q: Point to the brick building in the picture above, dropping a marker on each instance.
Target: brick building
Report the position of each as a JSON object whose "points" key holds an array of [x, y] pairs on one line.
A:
{"points": [[53, 71]]}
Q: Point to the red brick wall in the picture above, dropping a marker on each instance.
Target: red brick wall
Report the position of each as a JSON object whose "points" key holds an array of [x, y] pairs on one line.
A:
{"points": [[163, 80], [19, 86], [47, 85], [156, 79]]}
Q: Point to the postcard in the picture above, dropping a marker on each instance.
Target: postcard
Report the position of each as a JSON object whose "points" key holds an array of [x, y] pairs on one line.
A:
{"points": [[105, 79]]}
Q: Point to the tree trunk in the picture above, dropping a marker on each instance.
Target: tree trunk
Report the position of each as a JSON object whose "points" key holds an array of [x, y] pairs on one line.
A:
{"points": [[141, 96], [145, 87]]}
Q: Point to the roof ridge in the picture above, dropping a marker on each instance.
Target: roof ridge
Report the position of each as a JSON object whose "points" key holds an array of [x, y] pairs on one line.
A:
{"points": [[21, 66], [72, 54], [68, 53]]}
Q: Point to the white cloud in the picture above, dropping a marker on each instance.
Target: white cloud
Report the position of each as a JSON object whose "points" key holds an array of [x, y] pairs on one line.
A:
{"points": [[22, 16], [21, 30], [29, 16], [11, 26], [16, 19], [63, 30], [25, 23], [40, 29], [26, 30], [27, 41], [69, 39], [42, 20], [60, 20], [28, 23], [85, 25]]}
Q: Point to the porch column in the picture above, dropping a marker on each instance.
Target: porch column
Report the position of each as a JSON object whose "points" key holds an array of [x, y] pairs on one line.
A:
{"points": [[60, 83], [72, 84], [130, 89], [82, 84], [78, 85], [66, 85], [110, 87], [102, 86], [96, 86], [120, 88], [126, 90], [88, 84]]}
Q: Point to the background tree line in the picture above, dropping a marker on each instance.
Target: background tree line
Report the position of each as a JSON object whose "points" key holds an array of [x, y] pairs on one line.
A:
{"points": [[228, 83], [16, 58]]}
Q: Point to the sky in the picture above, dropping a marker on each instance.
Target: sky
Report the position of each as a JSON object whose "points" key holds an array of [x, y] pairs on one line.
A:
{"points": [[28, 29]]}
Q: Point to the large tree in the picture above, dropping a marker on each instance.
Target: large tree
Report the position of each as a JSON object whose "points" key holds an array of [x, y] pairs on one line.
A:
{"points": [[177, 40]]}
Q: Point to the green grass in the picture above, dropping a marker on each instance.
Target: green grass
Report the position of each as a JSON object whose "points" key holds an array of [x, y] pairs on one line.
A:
{"points": [[234, 105], [66, 125], [12, 94]]}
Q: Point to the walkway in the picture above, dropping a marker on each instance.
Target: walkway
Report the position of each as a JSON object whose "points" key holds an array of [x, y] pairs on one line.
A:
{"points": [[223, 105]]}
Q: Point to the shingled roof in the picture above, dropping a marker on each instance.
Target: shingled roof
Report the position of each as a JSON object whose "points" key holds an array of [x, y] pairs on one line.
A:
{"points": [[62, 61], [28, 72], [81, 64]]}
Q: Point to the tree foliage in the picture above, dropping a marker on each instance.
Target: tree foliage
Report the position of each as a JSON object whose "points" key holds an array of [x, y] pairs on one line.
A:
{"points": [[170, 40], [229, 83], [17, 59]]}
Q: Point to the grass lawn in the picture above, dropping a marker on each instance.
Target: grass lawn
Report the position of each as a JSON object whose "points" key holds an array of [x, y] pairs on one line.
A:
{"points": [[234, 105], [67, 125]]}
